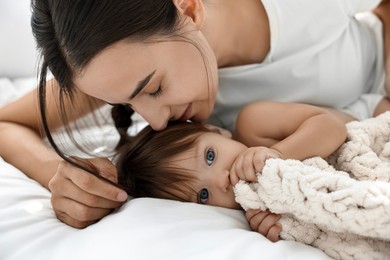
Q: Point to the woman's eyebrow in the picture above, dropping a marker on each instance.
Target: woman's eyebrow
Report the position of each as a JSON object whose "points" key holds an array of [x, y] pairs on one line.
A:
{"points": [[141, 84]]}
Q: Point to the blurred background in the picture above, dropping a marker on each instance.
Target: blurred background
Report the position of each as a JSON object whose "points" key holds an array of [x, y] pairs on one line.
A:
{"points": [[18, 55]]}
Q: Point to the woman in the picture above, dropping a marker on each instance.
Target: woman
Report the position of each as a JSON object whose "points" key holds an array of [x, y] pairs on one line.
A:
{"points": [[160, 59]]}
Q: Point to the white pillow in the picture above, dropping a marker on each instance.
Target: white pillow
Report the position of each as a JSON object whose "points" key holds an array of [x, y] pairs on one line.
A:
{"points": [[18, 55], [141, 229]]}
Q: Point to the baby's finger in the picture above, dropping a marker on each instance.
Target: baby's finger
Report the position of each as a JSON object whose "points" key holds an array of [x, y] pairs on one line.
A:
{"points": [[237, 167], [250, 213], [248, 167], [233, 177], [274, 232], [259, 161], [267, 223], [256, 218]]}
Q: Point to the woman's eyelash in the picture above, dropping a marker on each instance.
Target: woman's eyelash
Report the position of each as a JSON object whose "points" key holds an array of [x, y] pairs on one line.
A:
{"points": [[157, 93]]}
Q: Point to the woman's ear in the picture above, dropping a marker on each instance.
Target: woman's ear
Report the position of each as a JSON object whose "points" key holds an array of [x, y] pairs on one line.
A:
{"points": [[193, 9]]}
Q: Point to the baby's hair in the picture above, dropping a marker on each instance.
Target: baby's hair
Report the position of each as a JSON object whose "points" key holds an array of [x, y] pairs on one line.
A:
{"points": [[143, 168]]}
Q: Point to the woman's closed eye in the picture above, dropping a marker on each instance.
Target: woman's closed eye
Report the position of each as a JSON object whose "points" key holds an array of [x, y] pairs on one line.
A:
{"points": [[157, 92], [210, 156], [203, 196]]}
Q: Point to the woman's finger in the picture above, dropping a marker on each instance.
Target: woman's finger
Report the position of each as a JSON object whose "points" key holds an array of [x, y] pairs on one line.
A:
{"points": [[65, 218], [77, 212], [89, 183], [67, 189], [100, 165]]}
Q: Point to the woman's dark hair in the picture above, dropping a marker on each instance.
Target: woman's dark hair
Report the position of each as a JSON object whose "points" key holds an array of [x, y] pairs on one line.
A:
{"points": [[145, 164], [69, 33]]}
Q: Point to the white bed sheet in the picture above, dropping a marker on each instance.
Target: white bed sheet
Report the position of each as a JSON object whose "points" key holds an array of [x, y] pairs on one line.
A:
{"points": [[141, 229]]}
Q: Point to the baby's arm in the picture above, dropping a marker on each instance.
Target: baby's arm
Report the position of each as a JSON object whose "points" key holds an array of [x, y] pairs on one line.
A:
{"points": [[296, 131], [245, 167], [291, 131]]}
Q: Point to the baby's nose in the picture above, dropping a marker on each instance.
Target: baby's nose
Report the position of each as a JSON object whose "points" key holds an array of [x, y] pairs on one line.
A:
{"points": [[225, 180]]}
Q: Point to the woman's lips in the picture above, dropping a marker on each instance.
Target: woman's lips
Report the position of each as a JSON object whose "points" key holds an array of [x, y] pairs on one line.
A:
{"points": [[187, 114]]}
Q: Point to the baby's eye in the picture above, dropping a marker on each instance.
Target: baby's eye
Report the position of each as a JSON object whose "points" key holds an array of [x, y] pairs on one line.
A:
{"points": [[203, 196], [210, 156]]}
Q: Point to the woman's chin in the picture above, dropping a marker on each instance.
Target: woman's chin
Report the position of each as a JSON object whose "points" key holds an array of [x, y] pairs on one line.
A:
{"points": [[202, 116], [199, 118]]}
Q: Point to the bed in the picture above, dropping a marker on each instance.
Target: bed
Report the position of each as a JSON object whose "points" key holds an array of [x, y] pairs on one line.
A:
{"points": [[141, 229]]}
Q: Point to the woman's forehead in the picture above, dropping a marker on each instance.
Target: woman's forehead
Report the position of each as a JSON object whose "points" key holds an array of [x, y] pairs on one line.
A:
{"points": [[134, 59], [119, 66]]}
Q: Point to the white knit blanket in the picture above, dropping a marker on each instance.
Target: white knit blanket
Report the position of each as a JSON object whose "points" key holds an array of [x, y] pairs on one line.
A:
{"points": [[340, 205]]}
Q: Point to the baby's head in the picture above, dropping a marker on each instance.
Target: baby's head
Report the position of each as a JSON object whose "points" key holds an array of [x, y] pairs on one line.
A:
{"points": [[185, 162]]}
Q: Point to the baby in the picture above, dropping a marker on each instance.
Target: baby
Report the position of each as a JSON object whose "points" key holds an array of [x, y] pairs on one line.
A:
{"points": [[193, 163], [344, 217]]}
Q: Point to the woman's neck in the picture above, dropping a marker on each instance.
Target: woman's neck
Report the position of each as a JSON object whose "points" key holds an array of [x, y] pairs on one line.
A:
{"points": [[237, 31]]}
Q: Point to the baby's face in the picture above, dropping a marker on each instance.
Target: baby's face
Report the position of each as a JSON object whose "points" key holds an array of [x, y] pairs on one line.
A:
{"points": [[211, 160]]}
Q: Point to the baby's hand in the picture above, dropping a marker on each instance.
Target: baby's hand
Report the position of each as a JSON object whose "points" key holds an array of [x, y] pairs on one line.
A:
{"points": [[264, 222], [251, 162]]}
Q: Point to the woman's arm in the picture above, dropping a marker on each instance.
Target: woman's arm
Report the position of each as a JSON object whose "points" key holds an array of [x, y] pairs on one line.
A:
{"points": [[296, 131], [78, 197], [21, 133], [23, 148]]}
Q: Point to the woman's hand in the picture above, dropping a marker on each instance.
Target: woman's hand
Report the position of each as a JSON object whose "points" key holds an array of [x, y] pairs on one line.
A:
{"points": [[265, 223], [79, 198], [251, 162]]}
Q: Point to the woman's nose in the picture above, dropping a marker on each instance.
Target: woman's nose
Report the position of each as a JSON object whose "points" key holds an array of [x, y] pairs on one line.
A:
{"points": [[159, 124], [157, 118]]}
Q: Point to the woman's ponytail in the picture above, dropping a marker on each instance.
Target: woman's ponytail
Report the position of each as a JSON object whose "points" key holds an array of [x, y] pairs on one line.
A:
{"points": [[121, 114]]}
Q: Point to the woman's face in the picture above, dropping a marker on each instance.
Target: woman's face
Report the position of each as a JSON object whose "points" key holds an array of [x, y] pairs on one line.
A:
{"points": [[160, 80]]}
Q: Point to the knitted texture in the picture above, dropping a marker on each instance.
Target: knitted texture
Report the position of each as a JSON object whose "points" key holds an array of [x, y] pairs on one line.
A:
{"points": [[340, 205]]}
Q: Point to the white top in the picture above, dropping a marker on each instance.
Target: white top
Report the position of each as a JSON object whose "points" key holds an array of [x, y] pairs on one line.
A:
{"points": [[320, 54]]}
